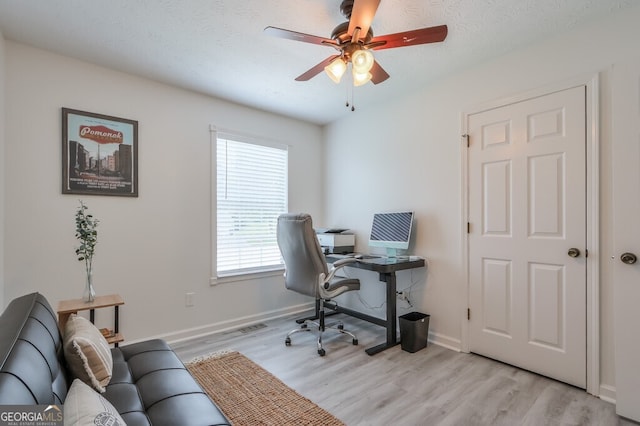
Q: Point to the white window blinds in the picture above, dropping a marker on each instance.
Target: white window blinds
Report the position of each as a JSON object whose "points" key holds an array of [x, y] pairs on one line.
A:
{"points": [[251, 193]]}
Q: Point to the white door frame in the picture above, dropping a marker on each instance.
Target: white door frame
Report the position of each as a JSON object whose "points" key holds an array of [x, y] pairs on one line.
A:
{"points": [[590, 82]]}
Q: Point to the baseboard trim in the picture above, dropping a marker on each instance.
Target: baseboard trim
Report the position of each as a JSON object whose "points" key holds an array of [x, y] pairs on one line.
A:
{"points": [[445, 341], [223, 326], [608, 393]]}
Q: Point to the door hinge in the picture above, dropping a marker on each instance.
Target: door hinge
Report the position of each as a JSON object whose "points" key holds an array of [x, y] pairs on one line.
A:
{"points": [[586, 253], [468, 314], [466, 136], [468, 227]]}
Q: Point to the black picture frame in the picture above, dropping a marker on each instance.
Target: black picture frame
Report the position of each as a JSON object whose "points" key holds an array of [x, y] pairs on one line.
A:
{"points": [[99, 154]]}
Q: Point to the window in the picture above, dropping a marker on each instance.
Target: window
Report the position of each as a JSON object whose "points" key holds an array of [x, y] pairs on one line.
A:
{"points": [[251, 193]]}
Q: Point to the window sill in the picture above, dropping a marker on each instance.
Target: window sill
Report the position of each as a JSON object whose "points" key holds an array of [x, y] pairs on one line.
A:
{"points": [[246, 276]]}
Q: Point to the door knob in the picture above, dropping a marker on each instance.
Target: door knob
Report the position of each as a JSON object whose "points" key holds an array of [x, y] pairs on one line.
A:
{"points": [[573, 252], [628, 258]]}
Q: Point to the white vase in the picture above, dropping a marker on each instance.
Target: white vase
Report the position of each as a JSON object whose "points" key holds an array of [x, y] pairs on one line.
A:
{"points": [[89, 294]]}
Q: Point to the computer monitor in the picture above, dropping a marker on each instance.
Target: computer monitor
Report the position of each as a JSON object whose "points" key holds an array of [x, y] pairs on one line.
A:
{"points": [[391, 231]]}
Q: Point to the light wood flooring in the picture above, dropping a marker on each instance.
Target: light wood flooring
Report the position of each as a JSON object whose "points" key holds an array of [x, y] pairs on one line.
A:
{"points": [[434, 386]]}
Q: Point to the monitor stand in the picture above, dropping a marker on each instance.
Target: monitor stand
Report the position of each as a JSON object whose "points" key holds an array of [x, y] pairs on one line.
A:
{"points": [[392, 253]]}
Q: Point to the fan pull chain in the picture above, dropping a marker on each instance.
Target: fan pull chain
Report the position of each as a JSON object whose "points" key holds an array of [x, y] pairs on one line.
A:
{"points": [[350, 90], [350, 86], [346, 104]]}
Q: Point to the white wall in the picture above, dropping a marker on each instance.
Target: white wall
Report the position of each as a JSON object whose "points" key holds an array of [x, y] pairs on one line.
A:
{"points": [[407, 154], [2, 166], [154, 248]]}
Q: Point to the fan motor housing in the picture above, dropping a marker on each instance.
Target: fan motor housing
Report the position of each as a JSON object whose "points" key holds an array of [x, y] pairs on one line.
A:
{"points": [[342, 36]]}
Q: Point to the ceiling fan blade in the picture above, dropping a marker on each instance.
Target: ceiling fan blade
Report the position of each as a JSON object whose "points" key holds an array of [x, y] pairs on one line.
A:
{"points": [[293, 35], [316, 70], [362, 16], [378, 74], [410, 38]]}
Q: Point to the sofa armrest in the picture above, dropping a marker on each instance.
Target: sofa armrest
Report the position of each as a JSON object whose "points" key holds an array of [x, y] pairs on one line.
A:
{"points": [[32, 367]]}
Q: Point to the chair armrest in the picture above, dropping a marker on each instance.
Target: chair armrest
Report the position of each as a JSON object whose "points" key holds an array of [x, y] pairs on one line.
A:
{"points": [[339, 265], [342, 262]]}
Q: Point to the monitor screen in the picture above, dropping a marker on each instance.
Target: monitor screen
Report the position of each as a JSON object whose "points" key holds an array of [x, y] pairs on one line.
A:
{"points": [[391, 230]]}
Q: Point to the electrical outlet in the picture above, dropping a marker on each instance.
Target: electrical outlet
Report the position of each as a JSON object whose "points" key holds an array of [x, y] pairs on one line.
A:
{"points": [[188, 299]]}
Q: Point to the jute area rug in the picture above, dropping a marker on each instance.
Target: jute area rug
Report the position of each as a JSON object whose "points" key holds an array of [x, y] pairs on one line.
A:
{"points": [[250, 395]]}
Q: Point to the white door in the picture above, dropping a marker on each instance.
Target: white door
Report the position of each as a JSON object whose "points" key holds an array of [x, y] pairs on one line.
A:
{"points": [[527, 214], [626, 201]]}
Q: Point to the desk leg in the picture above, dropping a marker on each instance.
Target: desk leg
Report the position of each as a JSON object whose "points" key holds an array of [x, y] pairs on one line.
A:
{"points": [[392, 338], [62, 320], [316, 315], [391, 309], [116, 322]]}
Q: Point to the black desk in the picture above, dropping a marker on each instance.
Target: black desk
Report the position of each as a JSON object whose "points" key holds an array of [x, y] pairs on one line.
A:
{"points": [[386, 268]]}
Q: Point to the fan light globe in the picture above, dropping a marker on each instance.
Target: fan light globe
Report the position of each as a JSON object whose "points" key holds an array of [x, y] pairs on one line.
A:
{"points": [[336, 69], [362, 61], [360, 78]]}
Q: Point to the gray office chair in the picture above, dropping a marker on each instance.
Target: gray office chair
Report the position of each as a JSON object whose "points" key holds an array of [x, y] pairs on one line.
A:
{"points": [[306, 272]]}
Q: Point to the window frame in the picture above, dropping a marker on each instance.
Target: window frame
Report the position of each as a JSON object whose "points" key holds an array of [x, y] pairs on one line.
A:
{"points": [[249, 273]]}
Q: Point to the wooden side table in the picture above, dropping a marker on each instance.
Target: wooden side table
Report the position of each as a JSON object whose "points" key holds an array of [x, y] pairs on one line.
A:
{"points": [[73, 306]]}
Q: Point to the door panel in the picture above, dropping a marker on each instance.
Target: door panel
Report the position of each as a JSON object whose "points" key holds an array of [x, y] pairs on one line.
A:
{"points": [[497, 198], [496, 286], [546, 304], [626, 204], [546, 185], [527, 207]]}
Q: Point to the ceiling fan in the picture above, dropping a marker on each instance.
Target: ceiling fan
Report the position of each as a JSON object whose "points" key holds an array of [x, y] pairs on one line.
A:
{"points": [[354, 41]]}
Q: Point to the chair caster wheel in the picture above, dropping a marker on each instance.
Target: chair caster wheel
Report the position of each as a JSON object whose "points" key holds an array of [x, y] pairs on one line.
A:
{"points": [[321, 352], [355, 342], [303, 326], [340, 326], [287, 341]]}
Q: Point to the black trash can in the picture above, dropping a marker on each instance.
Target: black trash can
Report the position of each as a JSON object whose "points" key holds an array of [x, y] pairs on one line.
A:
{"points": [[414, 331]]}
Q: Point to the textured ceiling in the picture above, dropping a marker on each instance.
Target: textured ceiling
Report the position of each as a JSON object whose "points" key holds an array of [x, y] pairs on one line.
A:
{"points": [[217, 47]]}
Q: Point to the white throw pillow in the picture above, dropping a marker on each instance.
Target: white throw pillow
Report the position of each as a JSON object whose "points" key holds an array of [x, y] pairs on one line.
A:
{"points": [[86, 407], [87, 353]]}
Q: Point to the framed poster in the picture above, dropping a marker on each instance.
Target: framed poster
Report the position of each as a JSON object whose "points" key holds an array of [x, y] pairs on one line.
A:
{"points": [[99, 154]]}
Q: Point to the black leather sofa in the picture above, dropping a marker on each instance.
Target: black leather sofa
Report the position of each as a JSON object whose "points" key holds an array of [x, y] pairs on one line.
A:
{"points": [[149, 384]]}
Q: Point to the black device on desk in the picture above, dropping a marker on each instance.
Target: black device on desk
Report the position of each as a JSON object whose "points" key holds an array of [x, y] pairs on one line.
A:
{"points": [[358, 256]]}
